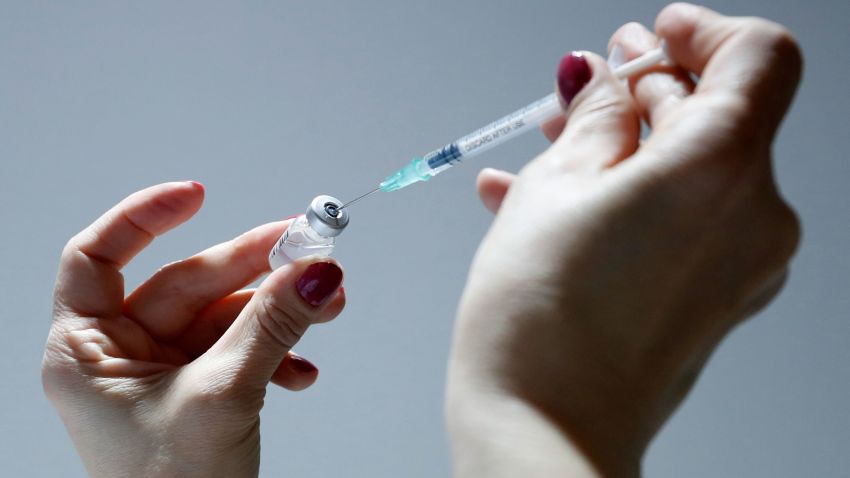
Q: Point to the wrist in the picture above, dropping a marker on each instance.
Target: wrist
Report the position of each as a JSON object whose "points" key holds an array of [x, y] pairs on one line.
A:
{"points": [[497, 433], [534, 398], [162, 460]]}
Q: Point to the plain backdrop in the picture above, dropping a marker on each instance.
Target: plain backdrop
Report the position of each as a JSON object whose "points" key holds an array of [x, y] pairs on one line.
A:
{"points": [[272, 103]]}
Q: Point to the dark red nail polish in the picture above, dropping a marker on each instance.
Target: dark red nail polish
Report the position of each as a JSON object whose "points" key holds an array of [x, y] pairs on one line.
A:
{"points": [[299, 364], [319, 282], [573, 74]]}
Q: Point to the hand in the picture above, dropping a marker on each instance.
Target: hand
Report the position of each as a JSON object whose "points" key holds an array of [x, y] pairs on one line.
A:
{"points": [[615, 267], [169, 381]]}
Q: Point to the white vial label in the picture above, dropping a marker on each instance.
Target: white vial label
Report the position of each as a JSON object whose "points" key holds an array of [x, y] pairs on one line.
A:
{"points": [[299, 240]]}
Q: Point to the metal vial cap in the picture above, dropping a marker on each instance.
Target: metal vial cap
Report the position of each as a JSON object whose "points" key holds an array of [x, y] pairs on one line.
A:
{"points": [[325, 217]]}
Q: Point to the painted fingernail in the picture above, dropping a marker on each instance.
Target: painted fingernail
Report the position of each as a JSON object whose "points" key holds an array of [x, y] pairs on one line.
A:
{"points": [[319, 282], [196, 185], [573, 74], [299, 364]]}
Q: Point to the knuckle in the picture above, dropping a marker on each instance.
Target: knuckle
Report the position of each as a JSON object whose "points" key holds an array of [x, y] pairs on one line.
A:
{"points": [[179, 270], [771, 32], [179, 279], [71, 255], [788, 232], [777, 43], [776, 238], [244, 249], [632, 25], [604, 111], [286, 325], [786, 47], [70, 248], [172, 279], [73, 250], [241, 246], [57, 377], [677, 19], [622, 33]]}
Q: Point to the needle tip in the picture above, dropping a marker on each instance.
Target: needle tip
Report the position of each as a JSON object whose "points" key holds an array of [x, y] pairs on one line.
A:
{"points": [[359, 198]]}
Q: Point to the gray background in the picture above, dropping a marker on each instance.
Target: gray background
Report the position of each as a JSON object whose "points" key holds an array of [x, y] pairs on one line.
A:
{"points": [[271, 103]]}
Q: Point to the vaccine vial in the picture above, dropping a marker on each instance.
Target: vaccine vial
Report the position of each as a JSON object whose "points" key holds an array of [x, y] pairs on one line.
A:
{"points": [[311, 234]]}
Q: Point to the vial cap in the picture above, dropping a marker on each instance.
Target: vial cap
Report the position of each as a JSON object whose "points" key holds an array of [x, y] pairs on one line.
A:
{"points": [[325, 216]]}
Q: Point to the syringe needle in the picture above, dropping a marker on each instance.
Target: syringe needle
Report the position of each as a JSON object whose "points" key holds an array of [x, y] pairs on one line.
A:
{"points": [[359, 198], [525, 119]]}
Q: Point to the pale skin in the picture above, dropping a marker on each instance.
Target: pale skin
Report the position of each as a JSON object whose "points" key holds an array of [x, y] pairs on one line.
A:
{"points": [[612, 270]]}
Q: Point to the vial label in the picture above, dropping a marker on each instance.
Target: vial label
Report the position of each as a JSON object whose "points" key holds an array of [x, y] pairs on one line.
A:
{"points": [[299, 240], [276, 257]]}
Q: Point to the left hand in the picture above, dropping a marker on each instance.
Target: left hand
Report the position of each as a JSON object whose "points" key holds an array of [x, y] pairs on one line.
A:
{"points": [[169, 381]]}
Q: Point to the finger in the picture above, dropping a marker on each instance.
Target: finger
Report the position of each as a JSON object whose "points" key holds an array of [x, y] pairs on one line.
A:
{"points": [[751, 57], [602, 127], [553, 128], [89, 281], [211, 323], [168, 302], [295, 373], [493, 185], [117, 338], [659, 90], [333, 308], [282, 308]]}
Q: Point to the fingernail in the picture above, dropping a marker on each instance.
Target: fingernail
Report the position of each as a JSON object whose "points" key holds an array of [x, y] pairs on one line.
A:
{"points": [[196, 185], [299, 364], [319, 282], [617, 56], [291, 217], [573, 74]]}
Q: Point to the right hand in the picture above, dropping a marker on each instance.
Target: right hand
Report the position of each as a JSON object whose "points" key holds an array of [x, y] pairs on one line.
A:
{"points": [[614, 268], [169, 381]]}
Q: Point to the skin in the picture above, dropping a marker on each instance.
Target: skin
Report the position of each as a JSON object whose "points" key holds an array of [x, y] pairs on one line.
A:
{"points": [[612, 270], [179, 367], [629, 261]]}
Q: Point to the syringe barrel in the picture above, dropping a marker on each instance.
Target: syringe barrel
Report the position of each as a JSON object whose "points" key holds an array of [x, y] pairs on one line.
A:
{"points": [[442, 158], [524, 119], [503, 129], [510, 126], [494, 133]]}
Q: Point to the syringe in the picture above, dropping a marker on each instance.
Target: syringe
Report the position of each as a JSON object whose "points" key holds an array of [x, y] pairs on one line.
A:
{"points": [[498, 132]]}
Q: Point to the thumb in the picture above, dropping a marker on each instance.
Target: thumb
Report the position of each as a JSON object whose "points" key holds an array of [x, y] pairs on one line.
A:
{"points": [[291, 298], [603, 125], [493, 185]]}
